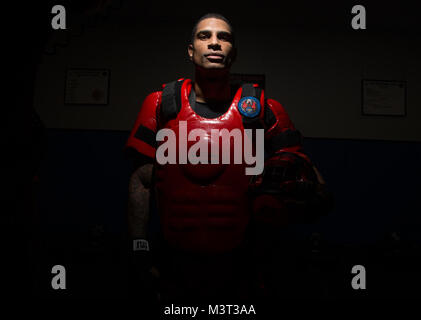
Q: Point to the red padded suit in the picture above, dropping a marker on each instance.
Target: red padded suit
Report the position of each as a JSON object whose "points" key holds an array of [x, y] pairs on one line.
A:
{"points": [[203, 207]]}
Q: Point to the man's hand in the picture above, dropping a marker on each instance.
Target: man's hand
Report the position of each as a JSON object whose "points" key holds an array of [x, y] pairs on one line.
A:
{"points": [[144, 277]]}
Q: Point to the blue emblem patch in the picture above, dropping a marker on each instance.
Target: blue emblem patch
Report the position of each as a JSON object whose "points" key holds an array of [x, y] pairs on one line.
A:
{"points": [[249, 107]]}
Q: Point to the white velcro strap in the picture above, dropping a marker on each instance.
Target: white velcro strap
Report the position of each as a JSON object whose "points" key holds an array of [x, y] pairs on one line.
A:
{"points": [[140, 245]]}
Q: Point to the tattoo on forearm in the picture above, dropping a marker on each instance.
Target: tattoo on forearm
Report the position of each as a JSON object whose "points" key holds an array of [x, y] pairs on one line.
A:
{"points": [[138, 206]]}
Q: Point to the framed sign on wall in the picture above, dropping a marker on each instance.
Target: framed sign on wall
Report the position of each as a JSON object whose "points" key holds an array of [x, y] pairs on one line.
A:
{"points": [[87, 86], [383, 98]]}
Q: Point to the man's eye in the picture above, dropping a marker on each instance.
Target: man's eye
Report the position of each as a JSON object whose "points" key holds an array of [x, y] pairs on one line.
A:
{"points": [[225, 37]]}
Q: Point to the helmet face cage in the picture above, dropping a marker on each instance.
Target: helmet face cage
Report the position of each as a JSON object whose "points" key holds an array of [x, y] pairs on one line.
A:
{"points": [[289, 167], [281, 175]]}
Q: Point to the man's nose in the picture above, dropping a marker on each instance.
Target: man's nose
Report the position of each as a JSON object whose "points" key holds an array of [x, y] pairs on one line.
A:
{"points": [[214, 42]]}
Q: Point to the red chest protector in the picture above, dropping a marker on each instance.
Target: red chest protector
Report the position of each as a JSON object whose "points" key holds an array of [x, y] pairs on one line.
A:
{"points": [[203, 207]]}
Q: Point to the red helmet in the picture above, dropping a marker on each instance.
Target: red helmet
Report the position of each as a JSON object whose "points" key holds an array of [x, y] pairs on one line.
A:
{"points": [[287, 183]]}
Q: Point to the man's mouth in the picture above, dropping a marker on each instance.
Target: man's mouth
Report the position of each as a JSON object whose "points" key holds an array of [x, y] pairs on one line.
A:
{"points": [[214, 56]]}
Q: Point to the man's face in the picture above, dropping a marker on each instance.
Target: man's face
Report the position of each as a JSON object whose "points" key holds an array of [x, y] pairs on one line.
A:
{"points": [[212, 46]]}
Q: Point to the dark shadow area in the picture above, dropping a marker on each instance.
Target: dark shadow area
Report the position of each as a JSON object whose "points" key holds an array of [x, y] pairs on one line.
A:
{"points": [[82, 221]]}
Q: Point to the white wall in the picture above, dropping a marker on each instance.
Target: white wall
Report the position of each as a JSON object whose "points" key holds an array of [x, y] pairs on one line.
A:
{"points": [[316, 75]]}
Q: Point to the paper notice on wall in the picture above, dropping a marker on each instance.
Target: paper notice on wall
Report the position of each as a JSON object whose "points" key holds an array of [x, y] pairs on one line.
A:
{"points": [[384, 97], [87, 86]]}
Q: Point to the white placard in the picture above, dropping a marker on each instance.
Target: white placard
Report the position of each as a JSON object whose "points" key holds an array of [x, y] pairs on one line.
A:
{"points": [[87, 86], [381, 97]]}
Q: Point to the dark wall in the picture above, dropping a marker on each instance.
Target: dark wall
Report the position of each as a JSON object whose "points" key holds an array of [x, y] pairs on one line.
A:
{"points": [[84, 182]]}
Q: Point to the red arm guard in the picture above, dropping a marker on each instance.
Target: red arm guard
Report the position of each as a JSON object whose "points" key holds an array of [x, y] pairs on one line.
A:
{"points": [[142, 137], [282, 135]]}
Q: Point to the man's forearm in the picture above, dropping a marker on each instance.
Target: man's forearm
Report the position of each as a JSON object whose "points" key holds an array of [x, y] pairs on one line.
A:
{"points": [[142, 273], [138, 206]]}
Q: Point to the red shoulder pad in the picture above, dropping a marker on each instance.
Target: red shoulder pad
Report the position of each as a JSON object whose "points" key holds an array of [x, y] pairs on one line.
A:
{"points": [[282, 120], [282, 136], [142, 137]]}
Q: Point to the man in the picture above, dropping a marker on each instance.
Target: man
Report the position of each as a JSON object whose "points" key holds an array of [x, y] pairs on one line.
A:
{"points": [[209, 212]]}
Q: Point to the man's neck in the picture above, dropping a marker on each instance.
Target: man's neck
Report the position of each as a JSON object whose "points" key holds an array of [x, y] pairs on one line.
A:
{"points": [[212, 88]]}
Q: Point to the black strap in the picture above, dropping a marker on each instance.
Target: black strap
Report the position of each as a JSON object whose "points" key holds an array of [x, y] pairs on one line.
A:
{"points": [[171, 100], [192, 98], [247, 90], [147, 135], [268, 117]]}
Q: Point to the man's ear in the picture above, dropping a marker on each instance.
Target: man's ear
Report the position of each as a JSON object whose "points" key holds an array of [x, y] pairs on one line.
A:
{"points": [[190, 51]]}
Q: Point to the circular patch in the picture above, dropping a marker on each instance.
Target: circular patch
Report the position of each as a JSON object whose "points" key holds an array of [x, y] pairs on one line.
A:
{"points": [[249, 107]]}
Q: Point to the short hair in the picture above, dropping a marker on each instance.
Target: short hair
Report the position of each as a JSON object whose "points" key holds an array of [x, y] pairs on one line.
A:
{"points": [[212, 15]]}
